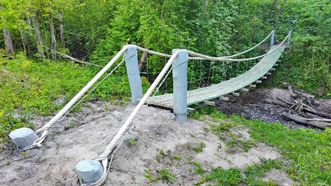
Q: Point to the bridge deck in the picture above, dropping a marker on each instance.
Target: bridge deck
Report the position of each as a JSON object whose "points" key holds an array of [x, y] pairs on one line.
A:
{"points": [[225, 87]]}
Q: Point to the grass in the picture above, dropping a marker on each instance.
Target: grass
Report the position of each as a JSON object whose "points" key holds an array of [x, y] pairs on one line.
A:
{"points": [[199, 148], [132, 141], [224, 177], [307, 151], [164, 175], [29, 87]]}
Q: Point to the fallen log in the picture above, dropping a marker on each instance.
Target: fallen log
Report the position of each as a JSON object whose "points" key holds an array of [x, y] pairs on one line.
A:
{"points": [[285, 104], [305, 121], [321, 114], [77, 60]]}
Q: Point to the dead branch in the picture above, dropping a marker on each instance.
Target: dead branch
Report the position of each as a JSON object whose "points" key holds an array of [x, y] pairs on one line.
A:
{"points": [[302, 120], [77, 60]]}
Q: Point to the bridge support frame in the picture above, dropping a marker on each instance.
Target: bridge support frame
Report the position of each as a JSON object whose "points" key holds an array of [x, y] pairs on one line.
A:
{"points": [[131, 63], [179, 74]]}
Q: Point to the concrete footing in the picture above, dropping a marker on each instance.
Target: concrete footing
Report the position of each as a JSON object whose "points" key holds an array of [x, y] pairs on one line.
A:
{"points": [[89, 170], [23, 137]]}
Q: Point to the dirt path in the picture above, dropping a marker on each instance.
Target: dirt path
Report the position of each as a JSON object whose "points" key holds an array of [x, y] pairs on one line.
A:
{"points": [[157, 142]]}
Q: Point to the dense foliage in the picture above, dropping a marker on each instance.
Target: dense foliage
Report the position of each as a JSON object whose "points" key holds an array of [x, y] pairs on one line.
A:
{"points": [[95, 30]]}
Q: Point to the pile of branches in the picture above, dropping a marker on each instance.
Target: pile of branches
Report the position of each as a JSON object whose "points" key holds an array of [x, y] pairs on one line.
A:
{"points": [[304, 109]]}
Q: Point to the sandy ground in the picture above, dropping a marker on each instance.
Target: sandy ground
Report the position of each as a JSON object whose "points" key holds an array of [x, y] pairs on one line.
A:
{"points": [[84, 135]]}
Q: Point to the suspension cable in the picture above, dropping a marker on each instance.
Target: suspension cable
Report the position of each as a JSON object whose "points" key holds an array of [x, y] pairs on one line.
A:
{"points": [[199, 56], [223, 59], [252, 48]]}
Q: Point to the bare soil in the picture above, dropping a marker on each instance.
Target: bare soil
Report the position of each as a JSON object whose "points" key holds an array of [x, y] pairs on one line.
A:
{"points": [[257, 104], [161, 143]]}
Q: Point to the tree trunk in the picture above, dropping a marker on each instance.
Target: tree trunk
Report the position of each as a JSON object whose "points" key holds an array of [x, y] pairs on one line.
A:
{"points": [[53, 39], [61, 31], [9, 46], [24, 37], [40, 43], [25, 42], [142, 63]]}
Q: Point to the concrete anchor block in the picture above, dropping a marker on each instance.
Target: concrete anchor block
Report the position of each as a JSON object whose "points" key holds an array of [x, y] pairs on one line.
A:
{"points": [[89, 171], [23, 137]]}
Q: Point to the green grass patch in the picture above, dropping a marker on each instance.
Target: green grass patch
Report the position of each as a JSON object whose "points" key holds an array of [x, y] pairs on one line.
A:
{"points": [[224, 177], [199, 147], [308, 151], [163, 175]]}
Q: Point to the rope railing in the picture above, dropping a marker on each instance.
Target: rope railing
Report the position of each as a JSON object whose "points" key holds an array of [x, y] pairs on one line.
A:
{"points": [[198, 56], [224, 59], [252, 48]]}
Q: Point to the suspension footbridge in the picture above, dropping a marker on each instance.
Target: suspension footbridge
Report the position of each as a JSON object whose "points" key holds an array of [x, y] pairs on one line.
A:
{"points": [[260, 70], [186, 88]]}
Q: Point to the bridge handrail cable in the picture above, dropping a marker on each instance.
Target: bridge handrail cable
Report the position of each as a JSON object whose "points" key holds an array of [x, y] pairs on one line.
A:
{"points": [[202, 56], [223, 59]]}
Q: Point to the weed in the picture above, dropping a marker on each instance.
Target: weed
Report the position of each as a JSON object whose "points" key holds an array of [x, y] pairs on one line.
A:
{"points": [[132, 141], [25, 154], [161, 155], [165, 175], [149, 176], [199, 148], [224, 177], [198, 167], [70, 126], [255, 172], [177, 157]]}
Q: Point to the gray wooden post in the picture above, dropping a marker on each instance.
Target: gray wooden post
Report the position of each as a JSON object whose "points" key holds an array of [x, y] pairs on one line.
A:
{"points": [[289, 41], [272, 39], [131, 62], [179, 74]]}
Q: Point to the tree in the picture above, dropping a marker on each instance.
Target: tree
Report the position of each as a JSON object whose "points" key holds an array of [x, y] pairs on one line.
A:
{"points": [[53, 39], [8, 42], [61, 31]]}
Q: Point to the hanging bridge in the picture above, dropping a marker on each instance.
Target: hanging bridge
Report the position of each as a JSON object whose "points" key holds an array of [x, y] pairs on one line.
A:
{"points": [[260, 70], [219, 76]]}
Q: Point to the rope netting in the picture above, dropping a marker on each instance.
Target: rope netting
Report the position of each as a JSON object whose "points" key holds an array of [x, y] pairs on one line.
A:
{"points": [[206, 70]]}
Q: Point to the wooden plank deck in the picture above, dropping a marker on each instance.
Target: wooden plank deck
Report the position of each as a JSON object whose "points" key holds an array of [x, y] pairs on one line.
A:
{"points": [[225, 87]]}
